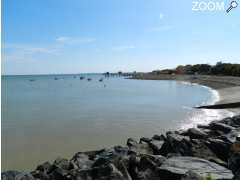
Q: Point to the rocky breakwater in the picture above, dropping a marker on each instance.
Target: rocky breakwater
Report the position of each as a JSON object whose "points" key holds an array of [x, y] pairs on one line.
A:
{"points": [[207, 152]]}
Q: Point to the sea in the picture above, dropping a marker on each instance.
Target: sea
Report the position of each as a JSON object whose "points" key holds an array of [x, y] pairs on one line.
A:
{"points": [[50, 116]]}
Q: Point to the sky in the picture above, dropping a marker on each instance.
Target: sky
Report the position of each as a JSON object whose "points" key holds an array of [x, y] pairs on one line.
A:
{"points": [[84, 36]]}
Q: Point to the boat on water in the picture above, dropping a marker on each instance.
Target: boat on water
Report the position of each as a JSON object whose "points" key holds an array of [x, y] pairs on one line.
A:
{"points": [[81, 78], [89, 79], [100, 80], [31, 80], [55, 78]]}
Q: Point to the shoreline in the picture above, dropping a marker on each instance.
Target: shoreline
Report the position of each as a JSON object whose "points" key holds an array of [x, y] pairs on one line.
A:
{"points": [[227, 87]]}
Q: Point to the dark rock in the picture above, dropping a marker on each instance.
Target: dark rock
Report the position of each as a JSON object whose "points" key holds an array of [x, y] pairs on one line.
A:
{"points": [[145, 139], [133, 166], [159, 137], [191, 175], [195, 133], [156, 146], [45, 167], [232, 121], [212, 133], [113, 153], [139, 148], [221, 127], [59, 174], [9, 175], [234, 163], [175, 143], [219, 147], [81, 161], [238, 138], [42, 171], [146, 163], [234, 160], [107, 172], [101, 162], [203, 126], [232, 136], [120, 150], [176, 167], [24, 176], [121, 166], [147, 174], [62, 163], [201, 150], [131, 142], [157, 159], [236, 176], [40, 175], [146, 167], [84, 174]]}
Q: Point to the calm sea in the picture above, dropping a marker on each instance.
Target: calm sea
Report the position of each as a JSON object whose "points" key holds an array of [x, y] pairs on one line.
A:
{"points": [[47, 116]]}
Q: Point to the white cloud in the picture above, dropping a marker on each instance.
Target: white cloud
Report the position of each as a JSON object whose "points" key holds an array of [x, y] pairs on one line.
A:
{"points": [[122, 48], [28, 49], [23, 52], [16, 51], [71, 40], [62, 39]]}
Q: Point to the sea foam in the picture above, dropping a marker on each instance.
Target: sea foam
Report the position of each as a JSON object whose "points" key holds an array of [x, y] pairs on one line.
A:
{"points": [[204, 116]]}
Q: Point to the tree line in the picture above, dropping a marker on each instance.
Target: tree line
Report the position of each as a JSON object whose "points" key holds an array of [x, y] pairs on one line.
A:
{"points": [[220, 68]]}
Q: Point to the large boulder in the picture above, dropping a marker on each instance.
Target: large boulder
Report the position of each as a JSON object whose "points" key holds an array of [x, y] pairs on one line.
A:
{"points": [[43, 170], [234, 165], [81, 161], [184, 146], [144, 166], [195, 133], [234, 160], [108, 172], [219, 147], [176, 143], [175, 168], [156, 145], [231, 137], [232, 121], [62, 163], [45, 167], [191, 175], [9, 175], [113, 154], [221, 127], [159, 137], [139, 148], [201, 150]]}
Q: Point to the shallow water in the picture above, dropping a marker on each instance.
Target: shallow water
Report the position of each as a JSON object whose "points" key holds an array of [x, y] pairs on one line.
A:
{"points": [[47, 118]]}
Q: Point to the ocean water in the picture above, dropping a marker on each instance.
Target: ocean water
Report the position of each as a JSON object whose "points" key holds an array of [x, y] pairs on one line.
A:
{"points": [[47, 118]]}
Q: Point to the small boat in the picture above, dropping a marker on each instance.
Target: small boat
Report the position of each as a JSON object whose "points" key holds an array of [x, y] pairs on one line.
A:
{"points": [[81, 78], [100, 80], [89, 79], [31, 80], [55, 78]]}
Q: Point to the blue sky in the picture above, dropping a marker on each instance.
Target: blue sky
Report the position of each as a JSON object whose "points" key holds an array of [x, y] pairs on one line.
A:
{"points": [[74, 36]]}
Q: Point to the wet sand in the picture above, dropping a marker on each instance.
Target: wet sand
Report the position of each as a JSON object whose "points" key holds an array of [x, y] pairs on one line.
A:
{"points": [[230, 95]]}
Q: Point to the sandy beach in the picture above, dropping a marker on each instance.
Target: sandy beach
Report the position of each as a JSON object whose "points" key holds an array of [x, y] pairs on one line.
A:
{"points": [[228, 87]]}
